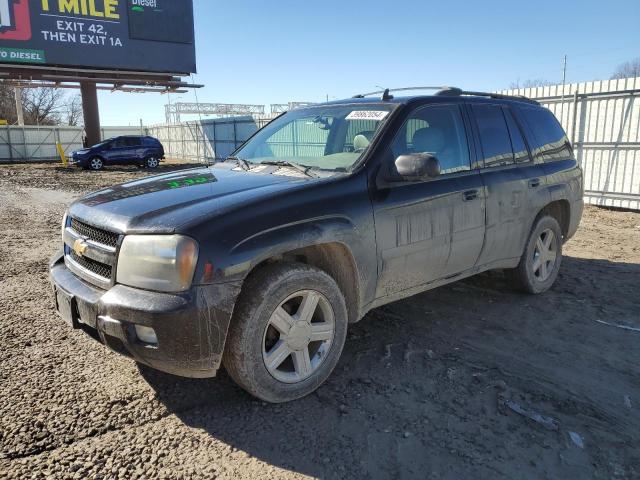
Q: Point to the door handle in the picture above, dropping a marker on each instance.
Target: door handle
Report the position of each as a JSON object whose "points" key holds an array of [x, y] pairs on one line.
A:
{"points": [[469, 195], [534, 183]]}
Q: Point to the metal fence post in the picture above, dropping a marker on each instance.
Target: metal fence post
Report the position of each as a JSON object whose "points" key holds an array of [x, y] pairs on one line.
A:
{"points": [[10, 144], [575, 117]]}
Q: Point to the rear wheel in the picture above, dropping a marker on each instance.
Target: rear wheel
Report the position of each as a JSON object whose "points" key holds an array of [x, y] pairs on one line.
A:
{"points": [[287, 332], [96, 163], [152, 162], [540, 262]]}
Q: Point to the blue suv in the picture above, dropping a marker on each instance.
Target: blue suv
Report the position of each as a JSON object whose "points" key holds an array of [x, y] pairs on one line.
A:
{"points": [[138, 150]]}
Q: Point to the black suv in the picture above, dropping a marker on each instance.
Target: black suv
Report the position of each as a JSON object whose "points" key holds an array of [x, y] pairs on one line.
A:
{"points": [[138, 150], [262, 261]]}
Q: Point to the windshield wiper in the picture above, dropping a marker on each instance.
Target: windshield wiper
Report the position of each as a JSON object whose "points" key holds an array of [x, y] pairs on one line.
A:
{"points": [[286, 163], [241, 162]]}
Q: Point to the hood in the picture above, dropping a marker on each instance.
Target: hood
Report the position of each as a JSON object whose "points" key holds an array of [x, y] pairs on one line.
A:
{"points": [[163, 203]]}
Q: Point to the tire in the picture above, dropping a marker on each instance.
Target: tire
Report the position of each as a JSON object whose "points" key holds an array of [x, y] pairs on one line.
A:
{"points": [[539, 267], [151, 162], [254, 341], [96, 164]]}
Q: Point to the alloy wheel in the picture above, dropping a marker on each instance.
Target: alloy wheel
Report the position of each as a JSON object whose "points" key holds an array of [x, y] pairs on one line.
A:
{"points": [[298, 336], [544, 255], [96, 163], [152, 162]]}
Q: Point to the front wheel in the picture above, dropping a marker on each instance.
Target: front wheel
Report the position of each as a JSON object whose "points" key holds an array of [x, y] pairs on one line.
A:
{"points": [[540, 262], [287, 332], [96, 163]]}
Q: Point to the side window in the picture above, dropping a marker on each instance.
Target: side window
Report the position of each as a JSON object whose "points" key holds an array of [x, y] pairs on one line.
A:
{"points": [[436, 129], [119, 143], [550, 142], [517, 141], [494, 135]]}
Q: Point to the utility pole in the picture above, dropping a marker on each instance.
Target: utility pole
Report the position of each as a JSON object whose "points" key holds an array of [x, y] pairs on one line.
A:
{"points": [[564, 80], [19, 112]]}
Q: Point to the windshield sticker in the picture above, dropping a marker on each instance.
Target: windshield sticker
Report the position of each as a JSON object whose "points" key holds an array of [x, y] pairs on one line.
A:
{"points": [[367, 115]]}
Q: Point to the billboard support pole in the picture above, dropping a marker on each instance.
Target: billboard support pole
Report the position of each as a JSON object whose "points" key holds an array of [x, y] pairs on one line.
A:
{"points": [[19, 112], [90, 110]]}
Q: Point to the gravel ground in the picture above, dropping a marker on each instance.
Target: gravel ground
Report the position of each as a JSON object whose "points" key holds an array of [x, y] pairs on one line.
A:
{"points": [[471, 380]]}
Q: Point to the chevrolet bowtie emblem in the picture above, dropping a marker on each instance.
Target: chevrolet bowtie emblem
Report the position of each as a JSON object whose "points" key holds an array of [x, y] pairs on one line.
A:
{"points": [[80, 247]]}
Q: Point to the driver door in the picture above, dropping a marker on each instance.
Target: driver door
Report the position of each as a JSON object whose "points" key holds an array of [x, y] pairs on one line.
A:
{"points": [[113, 153], [433, 228]]}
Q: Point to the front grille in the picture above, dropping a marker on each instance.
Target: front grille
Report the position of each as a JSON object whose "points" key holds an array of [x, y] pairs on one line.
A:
{"points": [[98, 268], [95, 234]]}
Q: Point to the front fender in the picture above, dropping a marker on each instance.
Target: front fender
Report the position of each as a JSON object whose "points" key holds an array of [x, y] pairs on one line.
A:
{"points": [[252, 251]]}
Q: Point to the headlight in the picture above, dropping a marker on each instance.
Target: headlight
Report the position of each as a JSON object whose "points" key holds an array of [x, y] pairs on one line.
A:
{"points": [[157, 262]]}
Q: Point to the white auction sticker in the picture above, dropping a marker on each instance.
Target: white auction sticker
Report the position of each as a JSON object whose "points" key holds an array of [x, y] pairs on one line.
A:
{"points": [[367, 115]]}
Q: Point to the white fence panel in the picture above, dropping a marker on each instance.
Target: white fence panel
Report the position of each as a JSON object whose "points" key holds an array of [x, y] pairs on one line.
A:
{"points": [[602, 120], [34, 143]]}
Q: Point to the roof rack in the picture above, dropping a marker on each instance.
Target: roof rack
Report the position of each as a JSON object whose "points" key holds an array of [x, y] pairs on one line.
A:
{"points": [[448, 92], [387, 90], [520, 98]]}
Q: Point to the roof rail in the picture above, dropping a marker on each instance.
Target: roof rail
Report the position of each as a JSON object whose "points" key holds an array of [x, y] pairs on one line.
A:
{"points": [[520, 98], [447, 91], [387, 90]]}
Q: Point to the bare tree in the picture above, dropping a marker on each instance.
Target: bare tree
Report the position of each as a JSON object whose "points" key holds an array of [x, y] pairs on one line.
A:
{"points": [[531, 83], [73, 111], [628, 69], [41, 106], [7, 104]]}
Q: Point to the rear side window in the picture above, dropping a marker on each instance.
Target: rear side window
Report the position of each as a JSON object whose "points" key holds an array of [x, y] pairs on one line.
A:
{"points": [[494, 135], [549, 142], [133, 141], [150, 142], [520, 152]]}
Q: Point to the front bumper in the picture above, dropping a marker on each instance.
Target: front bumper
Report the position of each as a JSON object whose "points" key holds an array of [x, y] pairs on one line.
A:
{"points": [[191, 327], [78, 161]]}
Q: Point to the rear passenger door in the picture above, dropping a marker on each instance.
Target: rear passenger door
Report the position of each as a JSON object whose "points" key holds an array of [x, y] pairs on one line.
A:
{"points": [[512, 180], [134, 150]]}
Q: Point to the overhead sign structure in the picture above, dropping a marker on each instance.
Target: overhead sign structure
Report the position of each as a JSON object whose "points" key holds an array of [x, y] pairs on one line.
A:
{"points": [[136, 35]]}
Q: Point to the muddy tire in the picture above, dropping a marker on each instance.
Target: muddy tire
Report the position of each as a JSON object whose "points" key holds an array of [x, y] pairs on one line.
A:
{"points": [[287, 332], [540, 262]]}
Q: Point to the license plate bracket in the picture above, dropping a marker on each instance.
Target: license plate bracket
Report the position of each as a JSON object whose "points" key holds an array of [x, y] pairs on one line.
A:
{"points": [[65, 305]]}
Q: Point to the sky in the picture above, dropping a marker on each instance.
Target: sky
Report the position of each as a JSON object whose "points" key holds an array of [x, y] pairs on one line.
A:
{"points": [[263, 52]]}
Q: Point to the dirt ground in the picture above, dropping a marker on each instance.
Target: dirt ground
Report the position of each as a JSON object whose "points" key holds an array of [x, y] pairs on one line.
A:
{"points": [[472, 380]]}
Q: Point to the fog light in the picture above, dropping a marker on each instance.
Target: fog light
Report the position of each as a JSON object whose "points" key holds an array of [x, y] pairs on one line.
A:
{"points": [[146, 334]]}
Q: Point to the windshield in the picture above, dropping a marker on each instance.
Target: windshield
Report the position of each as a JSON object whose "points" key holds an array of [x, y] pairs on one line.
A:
{"points": [[328, 137], [102, 144]]}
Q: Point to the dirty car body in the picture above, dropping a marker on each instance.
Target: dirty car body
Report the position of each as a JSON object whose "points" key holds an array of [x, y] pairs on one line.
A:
{"points": [[380, 231]]}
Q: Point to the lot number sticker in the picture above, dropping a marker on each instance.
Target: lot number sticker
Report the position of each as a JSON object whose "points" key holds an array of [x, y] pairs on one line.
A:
{"points": [[367, 115]]}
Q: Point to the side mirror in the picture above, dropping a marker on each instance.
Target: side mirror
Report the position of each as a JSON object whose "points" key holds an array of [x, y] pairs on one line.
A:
{"points": [[417, 166]]}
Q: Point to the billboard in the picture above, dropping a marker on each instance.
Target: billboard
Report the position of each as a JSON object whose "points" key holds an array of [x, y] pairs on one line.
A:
{"points": [[137, 35]]}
